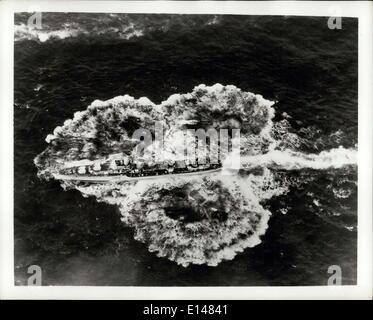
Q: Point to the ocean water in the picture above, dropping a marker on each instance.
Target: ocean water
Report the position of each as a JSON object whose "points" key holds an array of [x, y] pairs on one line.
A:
{"points": [[306, 69]]}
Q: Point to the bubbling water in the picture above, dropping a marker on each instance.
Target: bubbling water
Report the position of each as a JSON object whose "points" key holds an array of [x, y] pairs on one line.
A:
{"points": [[199, 219]]}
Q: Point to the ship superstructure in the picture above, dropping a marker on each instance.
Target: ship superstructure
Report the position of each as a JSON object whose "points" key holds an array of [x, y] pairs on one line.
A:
{"points": [[122, 167]]}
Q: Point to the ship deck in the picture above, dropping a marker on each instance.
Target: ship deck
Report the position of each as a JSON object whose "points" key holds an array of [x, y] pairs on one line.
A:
{"points": [[120, 178]]}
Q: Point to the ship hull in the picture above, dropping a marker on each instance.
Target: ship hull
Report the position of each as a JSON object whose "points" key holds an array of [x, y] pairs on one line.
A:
{"points": [[120, 178]]}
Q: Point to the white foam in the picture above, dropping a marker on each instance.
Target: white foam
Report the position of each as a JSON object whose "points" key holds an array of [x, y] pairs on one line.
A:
{"points": [[202, 242], [291, 160], [25, 32], [207, 241]]}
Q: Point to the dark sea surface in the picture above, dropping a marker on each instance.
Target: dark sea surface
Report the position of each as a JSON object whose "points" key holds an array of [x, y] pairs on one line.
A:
{"points": [[308, 69]]}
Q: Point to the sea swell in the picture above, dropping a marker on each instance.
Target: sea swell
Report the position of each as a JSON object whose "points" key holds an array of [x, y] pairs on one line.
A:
{"points": [[118, 26], [201, 219]]}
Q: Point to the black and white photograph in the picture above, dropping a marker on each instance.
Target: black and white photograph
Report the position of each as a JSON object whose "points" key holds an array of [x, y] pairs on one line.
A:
{"points": [[156, 149]]}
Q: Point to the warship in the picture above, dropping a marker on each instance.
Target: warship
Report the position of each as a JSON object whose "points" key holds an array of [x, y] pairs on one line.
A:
{"points": [[121, 168]]}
